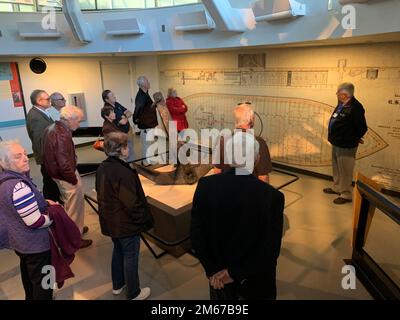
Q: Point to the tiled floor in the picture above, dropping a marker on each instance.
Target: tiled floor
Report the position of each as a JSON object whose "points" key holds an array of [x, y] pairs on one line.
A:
{"points": [[309, 267]]}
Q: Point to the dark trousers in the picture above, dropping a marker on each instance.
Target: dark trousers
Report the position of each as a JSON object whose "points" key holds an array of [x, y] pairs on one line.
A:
{"points": [[50, 188], [125, 264], [262, 287], [31, 273]]}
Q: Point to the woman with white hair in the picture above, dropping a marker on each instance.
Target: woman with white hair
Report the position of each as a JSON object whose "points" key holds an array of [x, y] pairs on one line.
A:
{"points": [[177, 108], [23, 219]]}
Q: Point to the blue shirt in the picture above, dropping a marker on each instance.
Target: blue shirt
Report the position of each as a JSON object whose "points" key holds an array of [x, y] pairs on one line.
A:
{"points": [[335, 116], [54, 113], [46, 112]]}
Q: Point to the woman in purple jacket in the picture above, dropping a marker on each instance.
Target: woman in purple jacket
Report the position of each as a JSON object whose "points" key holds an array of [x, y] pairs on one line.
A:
{"points": [[23, 220]]}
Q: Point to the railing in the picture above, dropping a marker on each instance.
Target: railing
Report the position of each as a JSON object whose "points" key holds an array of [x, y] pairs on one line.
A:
{"points": [[368, 199]]}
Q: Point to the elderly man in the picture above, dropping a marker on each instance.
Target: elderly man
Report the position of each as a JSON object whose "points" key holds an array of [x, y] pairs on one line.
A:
{"points": [[236, 229], [61, 163], [37, 120], [244, 119], [347, 127], [145, 115], [24, 221], [57, 103]]}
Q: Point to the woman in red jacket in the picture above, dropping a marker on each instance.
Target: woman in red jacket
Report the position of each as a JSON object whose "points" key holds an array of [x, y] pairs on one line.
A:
{"points": [[177, 108]]}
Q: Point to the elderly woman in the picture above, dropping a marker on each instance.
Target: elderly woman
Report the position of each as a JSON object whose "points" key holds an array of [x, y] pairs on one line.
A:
{"points": [[123, 213], [109, 125], [122, 114], [23, 219], [177, 108]]}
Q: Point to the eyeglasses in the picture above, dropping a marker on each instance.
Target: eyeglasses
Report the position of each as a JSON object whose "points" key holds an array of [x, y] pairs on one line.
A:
{"points": [[62, 99]]}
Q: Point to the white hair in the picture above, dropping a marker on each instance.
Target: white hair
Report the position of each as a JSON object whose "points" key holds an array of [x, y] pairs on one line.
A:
{"points": [[5, 149], [141, 81], [244, 114], [71, 113], [346, 87]]}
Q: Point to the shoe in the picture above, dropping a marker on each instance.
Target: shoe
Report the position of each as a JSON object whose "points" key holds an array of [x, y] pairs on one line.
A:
{"points": [[119, 291], [86, 243], [341, 200], [144, 294], [330, 191], [85, 229]]}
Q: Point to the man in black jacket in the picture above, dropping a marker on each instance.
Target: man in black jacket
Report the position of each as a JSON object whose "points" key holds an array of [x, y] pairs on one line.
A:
{"points": [[236, 233], [145, 115], [347, 127]]}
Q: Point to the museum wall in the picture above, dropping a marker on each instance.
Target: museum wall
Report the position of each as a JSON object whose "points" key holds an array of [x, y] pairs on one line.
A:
{"points": [[293, 90], [68, 76], [294, 94]]}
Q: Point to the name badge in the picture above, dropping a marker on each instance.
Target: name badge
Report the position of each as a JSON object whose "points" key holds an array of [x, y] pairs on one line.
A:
{"points": [[335, 115]]}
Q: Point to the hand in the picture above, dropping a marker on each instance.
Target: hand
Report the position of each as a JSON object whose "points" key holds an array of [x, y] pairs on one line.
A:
{"points": [[51, 202], [224, 276], [128, 114], [215, 283], [123, 121], [361, 141]]}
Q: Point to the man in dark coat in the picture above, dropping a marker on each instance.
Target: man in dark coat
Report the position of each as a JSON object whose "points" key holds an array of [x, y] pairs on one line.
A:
{"points": [[236, 233], [145, 115], [37, 120], [347, 127]]}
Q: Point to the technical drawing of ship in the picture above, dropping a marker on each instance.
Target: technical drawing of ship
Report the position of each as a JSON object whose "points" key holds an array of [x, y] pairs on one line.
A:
{"points": [[295, 129]]}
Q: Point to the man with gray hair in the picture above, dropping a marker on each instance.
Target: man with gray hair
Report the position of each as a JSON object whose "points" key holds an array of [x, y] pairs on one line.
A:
{"points": [[61, 164], [244, 120], [145, 115], [236, 229], [347, 127], [37, 120], [57, 103]]}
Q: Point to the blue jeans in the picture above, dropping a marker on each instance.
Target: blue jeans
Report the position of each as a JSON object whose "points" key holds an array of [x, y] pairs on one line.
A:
{"points": [[125, 263]]}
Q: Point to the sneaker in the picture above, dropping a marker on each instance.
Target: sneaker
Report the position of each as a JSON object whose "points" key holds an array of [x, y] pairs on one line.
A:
{"points": [[330, 191], [341, 200], [144, 294], [86, 243], [119, 291]]}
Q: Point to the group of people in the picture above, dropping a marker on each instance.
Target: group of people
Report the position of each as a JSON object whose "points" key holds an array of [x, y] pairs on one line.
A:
{"points": [[148, 114], [237, 219]]}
